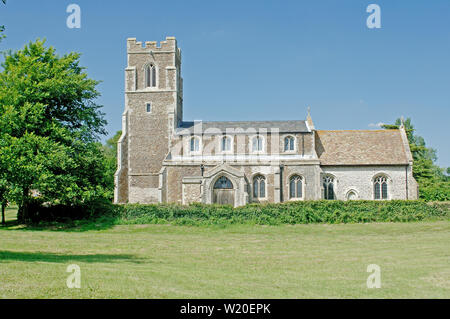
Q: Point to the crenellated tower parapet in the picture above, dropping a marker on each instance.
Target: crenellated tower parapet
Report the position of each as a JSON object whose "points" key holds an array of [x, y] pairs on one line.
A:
{"points": [[153, 109]]}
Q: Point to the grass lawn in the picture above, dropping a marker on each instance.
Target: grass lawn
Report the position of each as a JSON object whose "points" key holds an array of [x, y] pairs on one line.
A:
{"points": [[164, 261]]}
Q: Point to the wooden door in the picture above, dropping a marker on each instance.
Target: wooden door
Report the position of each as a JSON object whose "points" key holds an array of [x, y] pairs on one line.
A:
{"points": [[223, 192], [224, 196]]}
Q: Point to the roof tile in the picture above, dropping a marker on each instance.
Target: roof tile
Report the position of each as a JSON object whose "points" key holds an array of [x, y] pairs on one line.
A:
{"points": [[361, 147]]}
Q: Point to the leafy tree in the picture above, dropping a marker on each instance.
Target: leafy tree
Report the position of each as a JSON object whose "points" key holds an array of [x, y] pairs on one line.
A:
{"points": [[4, 189], [3, 197], [110, 148], [433, 183], [110, 153], [3, 182], [2, 27], [49, 129]]}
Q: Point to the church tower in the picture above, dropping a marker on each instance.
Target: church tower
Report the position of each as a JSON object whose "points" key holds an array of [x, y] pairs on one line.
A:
{"points": [[153, 110]]}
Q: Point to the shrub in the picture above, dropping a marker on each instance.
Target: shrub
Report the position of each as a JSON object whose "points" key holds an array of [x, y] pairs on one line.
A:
{"points": [[436, 191], [41, 212], [302, 212], [305, 212]]}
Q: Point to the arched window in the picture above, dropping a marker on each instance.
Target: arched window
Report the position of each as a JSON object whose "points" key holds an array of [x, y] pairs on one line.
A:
{"points": [[226, 144], [223, 183], [150, 76], [352, 195], [380, 187], [257, 144], [195, 144], [328, 187], [296, 187], [289, 143], [259, 186]]}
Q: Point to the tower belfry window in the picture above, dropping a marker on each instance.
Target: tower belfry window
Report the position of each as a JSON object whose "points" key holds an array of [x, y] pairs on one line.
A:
{"points": [[150, 76]]}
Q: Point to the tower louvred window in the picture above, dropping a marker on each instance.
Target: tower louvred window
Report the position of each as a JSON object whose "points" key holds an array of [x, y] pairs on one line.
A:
{"points": [[150, 76]]}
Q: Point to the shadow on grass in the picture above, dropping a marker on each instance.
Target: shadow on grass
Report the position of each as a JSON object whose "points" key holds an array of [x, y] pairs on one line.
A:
{"points": [[61, 258], [65, 224], [102, 223]]}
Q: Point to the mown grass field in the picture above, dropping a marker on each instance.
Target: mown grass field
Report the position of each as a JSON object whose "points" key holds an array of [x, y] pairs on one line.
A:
{"points": [[240, 261]]}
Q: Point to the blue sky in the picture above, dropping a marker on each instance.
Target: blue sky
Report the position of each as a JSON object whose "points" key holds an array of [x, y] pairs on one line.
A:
{"points": [[262, 60]]}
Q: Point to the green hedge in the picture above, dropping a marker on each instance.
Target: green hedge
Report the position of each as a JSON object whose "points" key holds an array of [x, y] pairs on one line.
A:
{"points": [[285, 213]]}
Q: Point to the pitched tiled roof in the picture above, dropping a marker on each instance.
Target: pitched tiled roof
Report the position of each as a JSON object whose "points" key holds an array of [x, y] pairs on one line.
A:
{"points": [[365, 147], [187, 128]]}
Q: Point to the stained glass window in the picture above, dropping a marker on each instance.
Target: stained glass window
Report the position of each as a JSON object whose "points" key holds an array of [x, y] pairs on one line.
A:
{"points": [[296, 187], [380, 188], [328, 187], [259, 186], [223, 183]]}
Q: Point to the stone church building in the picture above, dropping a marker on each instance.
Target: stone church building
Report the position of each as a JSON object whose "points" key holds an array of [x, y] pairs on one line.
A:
{"points": [[162, 158]]}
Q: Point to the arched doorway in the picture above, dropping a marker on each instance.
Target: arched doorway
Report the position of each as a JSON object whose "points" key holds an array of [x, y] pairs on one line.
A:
{"points": [[223, 192]]}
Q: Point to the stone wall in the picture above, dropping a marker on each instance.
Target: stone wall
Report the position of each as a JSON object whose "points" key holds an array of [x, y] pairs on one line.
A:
{"points": [[178, 193], [148, 134], [360, 180], [121, 175], [175, 175], [356, 179], [311, 181], [191, 190], [210, 145]]}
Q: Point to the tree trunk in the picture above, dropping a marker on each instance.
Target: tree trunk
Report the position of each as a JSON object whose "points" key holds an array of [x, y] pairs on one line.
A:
{"points": [[3, 213], [22, 213]]}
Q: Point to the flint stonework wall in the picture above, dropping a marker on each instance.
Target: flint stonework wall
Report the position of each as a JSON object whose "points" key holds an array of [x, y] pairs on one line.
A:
{"points": [[360, 180]]}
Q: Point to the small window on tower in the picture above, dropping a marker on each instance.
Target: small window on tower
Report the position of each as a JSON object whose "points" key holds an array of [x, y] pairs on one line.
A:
{"points": [[149, 107]]}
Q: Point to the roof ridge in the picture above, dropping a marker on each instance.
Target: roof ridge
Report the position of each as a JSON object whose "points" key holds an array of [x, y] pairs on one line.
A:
{"points": [[386, 130], [259, 121]]}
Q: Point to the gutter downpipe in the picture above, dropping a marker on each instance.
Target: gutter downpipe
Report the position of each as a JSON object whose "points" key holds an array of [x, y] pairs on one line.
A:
{"points": [[406, 179], [281, 182]]}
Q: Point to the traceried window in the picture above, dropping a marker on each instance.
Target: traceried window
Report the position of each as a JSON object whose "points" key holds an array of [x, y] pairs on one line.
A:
{"points": [[328, 187], [296, 187], [150, 76], [223, 183], [195, 144], [289, 143], [257, 144], [380, 187], [226, 144], [259, 186]]}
